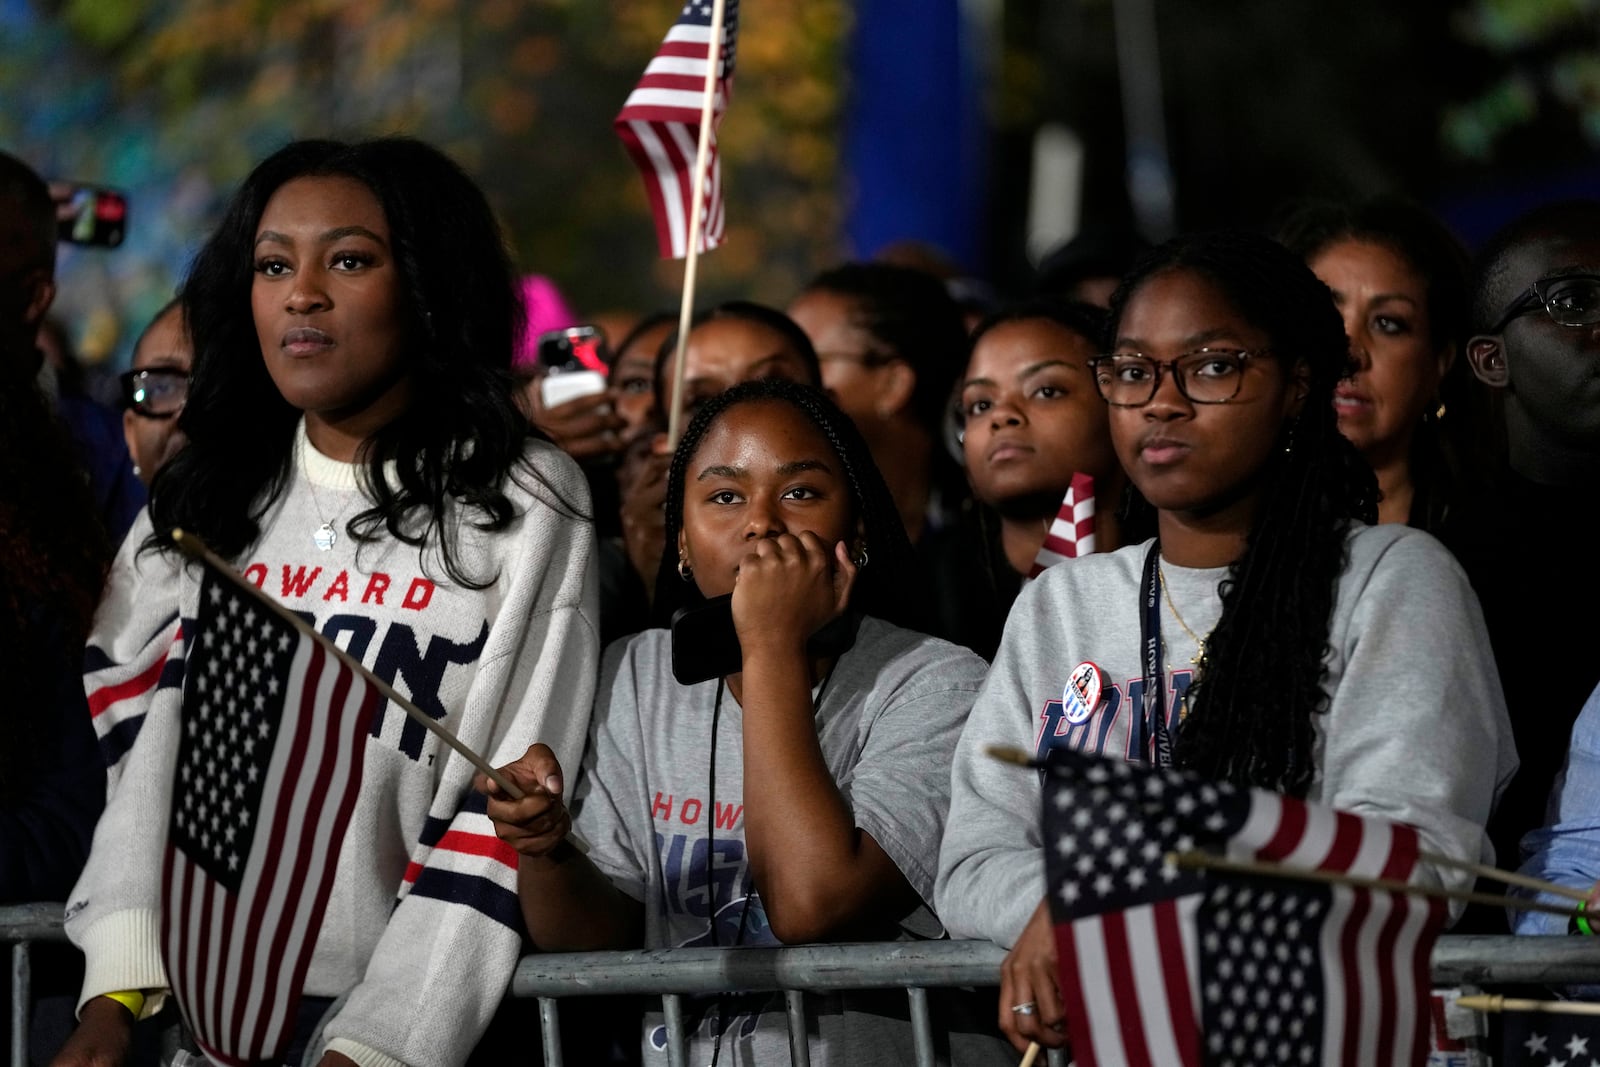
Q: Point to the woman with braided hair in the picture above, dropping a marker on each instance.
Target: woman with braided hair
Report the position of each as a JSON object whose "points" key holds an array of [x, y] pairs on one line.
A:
{"points": [[1293, 646], [791, 794]]}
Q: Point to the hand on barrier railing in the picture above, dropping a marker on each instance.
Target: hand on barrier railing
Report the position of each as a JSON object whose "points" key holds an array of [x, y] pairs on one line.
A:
{"points": [[102, 1039], [1030, 1003], [538, 822]]}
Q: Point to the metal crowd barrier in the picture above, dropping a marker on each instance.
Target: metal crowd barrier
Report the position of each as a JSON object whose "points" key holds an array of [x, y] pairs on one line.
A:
{"points": [[20, 926], [915, 966]]}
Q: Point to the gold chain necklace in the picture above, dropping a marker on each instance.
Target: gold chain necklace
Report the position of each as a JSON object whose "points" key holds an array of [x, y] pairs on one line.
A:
{"points": [[1198, 659]]}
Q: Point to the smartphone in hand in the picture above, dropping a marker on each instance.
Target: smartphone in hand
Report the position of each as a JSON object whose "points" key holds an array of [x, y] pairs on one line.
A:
{"points": [[705, 644], [90, 214]]}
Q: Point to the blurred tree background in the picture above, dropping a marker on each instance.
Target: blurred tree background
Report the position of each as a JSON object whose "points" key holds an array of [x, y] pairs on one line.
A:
{"points": [[1473, 106], [175, 100]]}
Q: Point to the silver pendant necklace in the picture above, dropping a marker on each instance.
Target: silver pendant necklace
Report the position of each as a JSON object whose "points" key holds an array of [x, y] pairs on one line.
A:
{"points": [[324, 536]]}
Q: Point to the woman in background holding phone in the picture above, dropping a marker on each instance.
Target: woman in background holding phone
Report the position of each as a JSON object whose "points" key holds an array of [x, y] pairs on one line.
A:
{"points": [[566, 398], [792, 771]]}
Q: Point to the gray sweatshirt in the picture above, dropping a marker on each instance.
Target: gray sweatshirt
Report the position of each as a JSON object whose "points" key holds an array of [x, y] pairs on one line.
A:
{"points": [[1416, 728], [665, 834]]}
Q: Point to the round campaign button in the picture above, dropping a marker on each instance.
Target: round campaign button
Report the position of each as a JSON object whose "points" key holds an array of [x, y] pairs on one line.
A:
{"points": [[1082, 693]]}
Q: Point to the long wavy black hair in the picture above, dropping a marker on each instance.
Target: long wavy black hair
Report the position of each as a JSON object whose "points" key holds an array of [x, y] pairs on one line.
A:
{"points": [[886, 587], [1253, 706], [463, 434]]}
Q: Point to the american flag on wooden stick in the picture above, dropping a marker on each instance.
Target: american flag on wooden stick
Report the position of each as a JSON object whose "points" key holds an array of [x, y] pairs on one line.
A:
{"points": [[269, 768], [660, 125], [1160, 965]]}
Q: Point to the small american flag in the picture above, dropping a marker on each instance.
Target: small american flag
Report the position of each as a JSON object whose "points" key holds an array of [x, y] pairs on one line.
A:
{"points": [[1530, 1039], [1160, 965], [660, 126], [269, 768], [1072, 533]]}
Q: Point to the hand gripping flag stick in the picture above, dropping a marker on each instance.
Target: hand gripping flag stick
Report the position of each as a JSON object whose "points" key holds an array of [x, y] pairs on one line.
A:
{"points": [[195, 549]]}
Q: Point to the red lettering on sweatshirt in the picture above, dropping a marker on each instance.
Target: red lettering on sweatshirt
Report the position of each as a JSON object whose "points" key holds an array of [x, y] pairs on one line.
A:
{"points": [[728, 815], [663, 809], [300, 584], [418, 595], [689, 805], [339, 588], [256, 573], [375, 587]]}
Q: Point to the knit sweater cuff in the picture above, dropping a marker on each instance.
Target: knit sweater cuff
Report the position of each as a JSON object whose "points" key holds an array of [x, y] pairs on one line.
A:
{"points": [[362, 1055], [121, 951]]}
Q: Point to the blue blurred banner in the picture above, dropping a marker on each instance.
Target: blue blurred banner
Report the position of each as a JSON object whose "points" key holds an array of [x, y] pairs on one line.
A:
{"points": [[915, 140]]}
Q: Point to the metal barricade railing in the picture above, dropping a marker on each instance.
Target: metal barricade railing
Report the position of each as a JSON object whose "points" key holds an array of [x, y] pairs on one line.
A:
{"points": [[918, 966], [915, 966], [672, 974], [20, 926]]}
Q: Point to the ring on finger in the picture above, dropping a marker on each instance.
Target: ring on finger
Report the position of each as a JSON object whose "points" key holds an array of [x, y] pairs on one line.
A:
{"points": [[1027, 1007]]}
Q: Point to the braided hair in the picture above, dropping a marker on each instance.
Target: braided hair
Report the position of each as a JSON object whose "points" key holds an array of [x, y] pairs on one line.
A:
{"points": [[887, 587], [1252, 709]]}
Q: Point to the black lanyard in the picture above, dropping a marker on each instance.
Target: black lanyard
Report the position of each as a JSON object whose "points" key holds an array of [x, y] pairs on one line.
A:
{"points": [[1150, 725]]}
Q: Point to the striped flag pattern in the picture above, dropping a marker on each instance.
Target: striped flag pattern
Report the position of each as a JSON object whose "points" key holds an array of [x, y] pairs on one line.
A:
{"points": [[659, 125], [269, 769], [1071, 534], [1165, 966]]}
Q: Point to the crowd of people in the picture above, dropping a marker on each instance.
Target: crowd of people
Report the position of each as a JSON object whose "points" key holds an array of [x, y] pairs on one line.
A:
{"points": [[745, 669]]}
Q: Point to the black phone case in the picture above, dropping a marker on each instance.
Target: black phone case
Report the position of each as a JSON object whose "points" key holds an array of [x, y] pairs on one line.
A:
{"points": [[705, 644]]}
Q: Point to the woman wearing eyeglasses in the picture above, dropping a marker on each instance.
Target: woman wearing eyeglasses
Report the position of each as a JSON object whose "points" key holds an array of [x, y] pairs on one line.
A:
{"points": [[155, 390], [1276, 638]]}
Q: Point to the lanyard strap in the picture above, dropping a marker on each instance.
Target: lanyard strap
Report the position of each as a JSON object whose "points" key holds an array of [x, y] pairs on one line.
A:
{"points": [[1152, 740]]}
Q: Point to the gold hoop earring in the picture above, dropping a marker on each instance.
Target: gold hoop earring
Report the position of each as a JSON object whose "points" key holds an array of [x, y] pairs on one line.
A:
{"points": [[685, 571]]}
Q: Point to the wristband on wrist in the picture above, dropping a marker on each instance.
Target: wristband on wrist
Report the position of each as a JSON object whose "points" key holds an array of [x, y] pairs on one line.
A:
{"points": [[1580, 920], [132, 999]]}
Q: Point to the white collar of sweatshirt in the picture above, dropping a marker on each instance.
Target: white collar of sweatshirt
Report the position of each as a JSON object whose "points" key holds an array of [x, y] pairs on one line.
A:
{"points": [[326, 472]]}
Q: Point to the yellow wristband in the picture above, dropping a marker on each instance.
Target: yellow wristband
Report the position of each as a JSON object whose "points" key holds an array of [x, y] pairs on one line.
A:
{"points": [[132, 999]]}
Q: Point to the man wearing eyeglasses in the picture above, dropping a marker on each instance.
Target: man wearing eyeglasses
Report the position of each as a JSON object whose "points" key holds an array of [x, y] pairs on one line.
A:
{"points": [[155, 390], [1537, 305], [1527, 541]]}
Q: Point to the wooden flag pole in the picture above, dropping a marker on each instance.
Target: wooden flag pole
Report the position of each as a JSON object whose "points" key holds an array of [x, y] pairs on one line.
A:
{"points": [[697, 221], [1193, 860], [1493, 1002], [1017, 756], [1483, 870], [195, 548], [1031, 1055]]}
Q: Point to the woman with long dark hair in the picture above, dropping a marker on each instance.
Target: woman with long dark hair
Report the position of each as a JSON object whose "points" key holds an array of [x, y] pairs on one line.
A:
{"points": [[1399, 279], [786, 792], [354, 450], [1276, 638]]}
